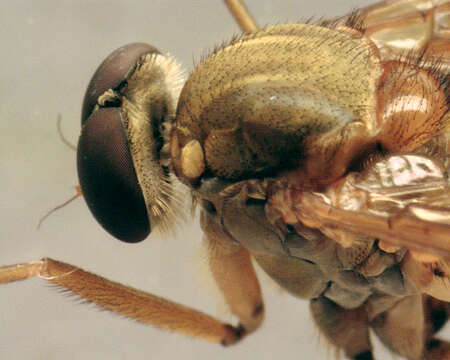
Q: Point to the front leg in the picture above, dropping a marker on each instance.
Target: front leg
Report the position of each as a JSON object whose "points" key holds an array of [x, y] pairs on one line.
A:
{"points": [[232, 269], [124, 300]]}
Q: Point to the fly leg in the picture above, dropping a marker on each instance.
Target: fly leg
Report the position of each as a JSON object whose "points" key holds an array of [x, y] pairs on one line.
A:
{"points": [[233, 272], [436, 315], [408, 326], [231, 267], [242, 16], [431, 278], [401, 327], [347, 329], [124, 300]]}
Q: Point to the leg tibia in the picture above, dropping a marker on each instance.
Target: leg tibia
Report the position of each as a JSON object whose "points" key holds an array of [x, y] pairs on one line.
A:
{"points": [[124, 300]]}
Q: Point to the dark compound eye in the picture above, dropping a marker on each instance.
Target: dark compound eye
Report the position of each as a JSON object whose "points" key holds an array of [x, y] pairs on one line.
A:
{"points": [[108, 179], [120, 184], [113, 72]]}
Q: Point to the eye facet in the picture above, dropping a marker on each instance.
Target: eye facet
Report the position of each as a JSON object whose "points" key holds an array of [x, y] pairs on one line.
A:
{"points": [[108, 179], [122, 161]]}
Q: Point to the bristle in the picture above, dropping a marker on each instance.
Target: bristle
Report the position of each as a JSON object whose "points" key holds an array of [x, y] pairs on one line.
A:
{"points": [[174, 74], [149, 103]]}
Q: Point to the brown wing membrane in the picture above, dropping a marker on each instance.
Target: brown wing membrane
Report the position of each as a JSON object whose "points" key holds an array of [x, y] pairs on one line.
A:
{"points": [[403, 200]]}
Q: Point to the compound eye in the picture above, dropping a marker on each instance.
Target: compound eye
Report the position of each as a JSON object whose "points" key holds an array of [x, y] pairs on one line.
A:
{"points": [[105, 166], [112, 73], [108, 178], [123, 163]]}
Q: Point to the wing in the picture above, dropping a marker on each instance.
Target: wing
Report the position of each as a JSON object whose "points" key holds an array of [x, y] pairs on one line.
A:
{"points": [[397, 26], [402, 200], [414, 216]]}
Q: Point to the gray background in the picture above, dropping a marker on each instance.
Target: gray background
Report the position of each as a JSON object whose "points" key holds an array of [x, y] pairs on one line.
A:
{"points": [[49, 49]]}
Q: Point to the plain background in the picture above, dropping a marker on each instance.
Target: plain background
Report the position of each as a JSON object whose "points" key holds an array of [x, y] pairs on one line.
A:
{"points": [[49, 50]]}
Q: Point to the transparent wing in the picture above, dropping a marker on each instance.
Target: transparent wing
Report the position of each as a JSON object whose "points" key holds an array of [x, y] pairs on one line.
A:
{"points": [[402, 200], [397, 26]]}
